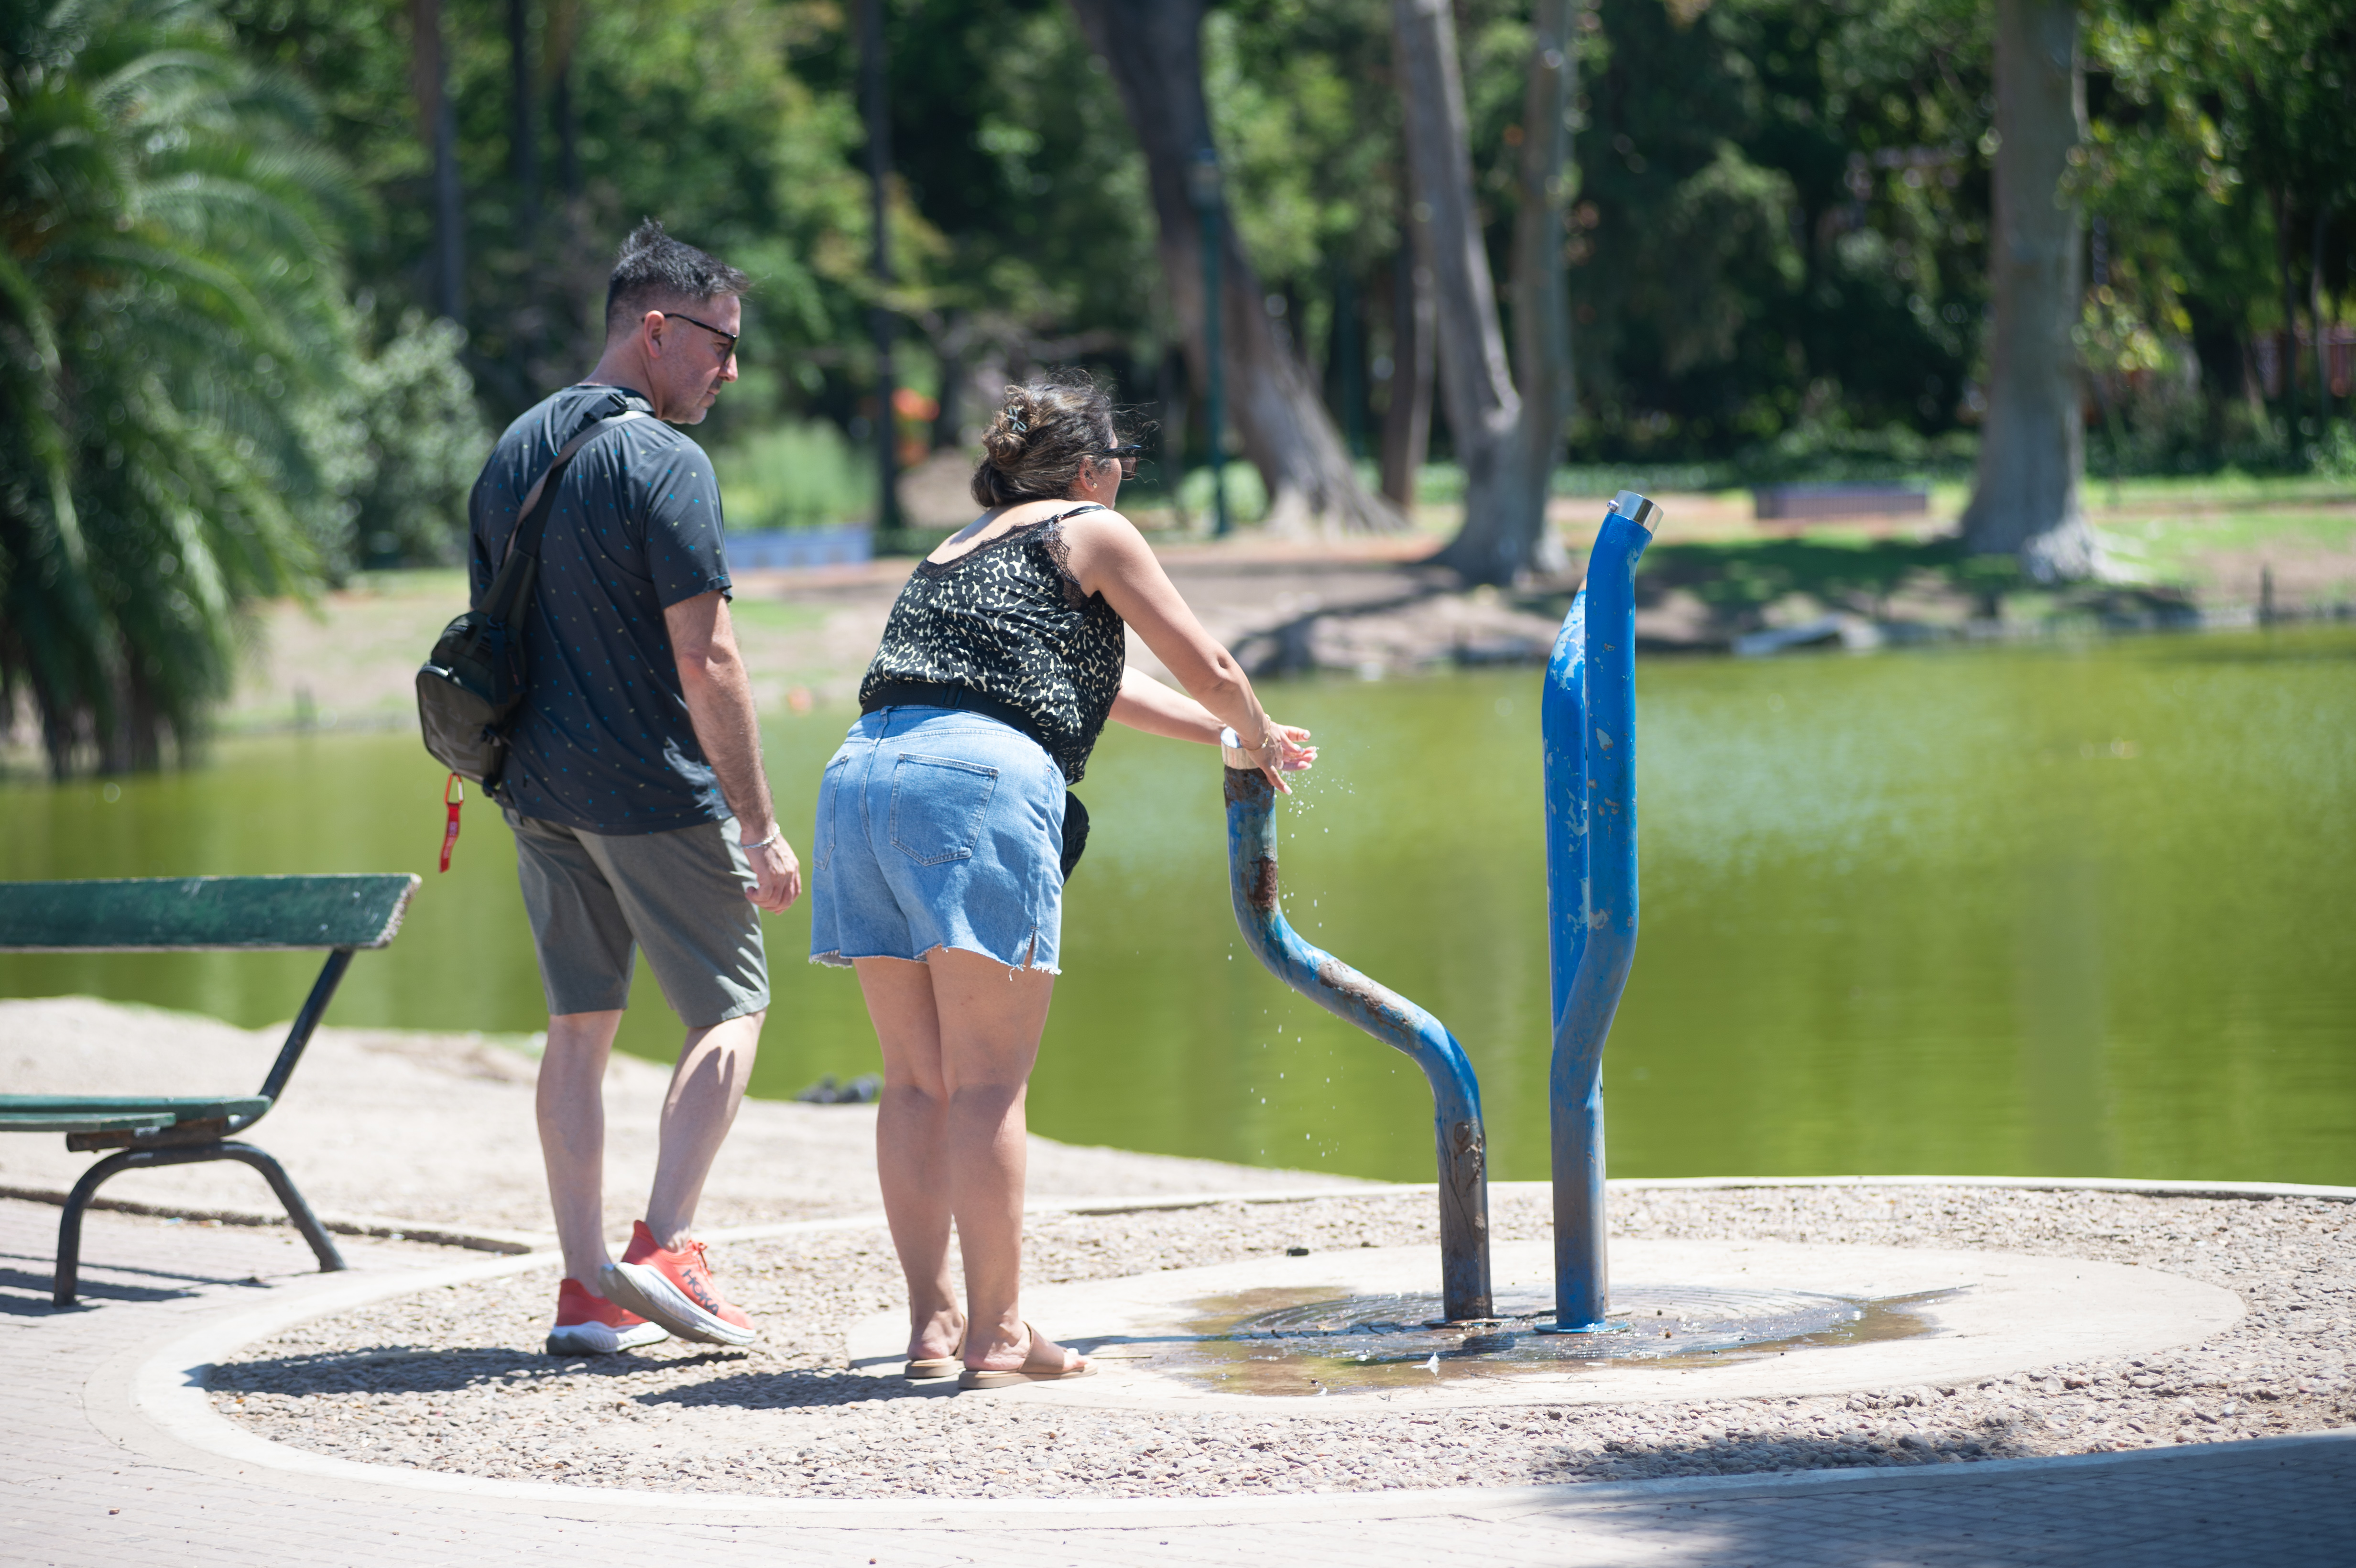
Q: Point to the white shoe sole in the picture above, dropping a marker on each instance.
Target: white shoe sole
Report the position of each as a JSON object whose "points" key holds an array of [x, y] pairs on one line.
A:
{"points": [[646, 1292], [602, 1339]]}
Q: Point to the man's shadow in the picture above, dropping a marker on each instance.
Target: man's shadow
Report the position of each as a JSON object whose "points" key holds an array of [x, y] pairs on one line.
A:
{"points": [[395, 1369]]}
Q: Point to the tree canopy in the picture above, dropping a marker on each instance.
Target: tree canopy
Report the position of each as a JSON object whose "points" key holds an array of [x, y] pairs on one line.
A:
{"points": [[169, 319], [217, 236]]}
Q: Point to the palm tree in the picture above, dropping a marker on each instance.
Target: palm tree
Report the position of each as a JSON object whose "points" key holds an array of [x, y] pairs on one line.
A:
{"points": [[172, 327]]}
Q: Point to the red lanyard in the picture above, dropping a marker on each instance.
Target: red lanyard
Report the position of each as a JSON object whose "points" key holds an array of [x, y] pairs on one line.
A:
{"points": [[450, 834]]}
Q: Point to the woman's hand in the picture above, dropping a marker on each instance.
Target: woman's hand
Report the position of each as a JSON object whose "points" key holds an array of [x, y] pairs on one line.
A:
{"points": [[1283, 749]]}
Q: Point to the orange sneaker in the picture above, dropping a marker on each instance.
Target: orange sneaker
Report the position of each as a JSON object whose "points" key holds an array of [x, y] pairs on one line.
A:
{"points": [[675, 1289], [590, 1324]]}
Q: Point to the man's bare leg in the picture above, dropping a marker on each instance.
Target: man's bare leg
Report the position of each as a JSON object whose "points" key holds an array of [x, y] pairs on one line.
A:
{"points": [[571, 1103], [706, 1087], [911, 1147]]}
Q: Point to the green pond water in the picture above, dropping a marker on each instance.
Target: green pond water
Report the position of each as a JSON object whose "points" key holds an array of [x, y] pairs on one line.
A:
{"points": [[2075, 909]]}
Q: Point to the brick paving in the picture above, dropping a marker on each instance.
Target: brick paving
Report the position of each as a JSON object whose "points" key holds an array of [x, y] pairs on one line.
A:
{"points": [[71, 1495]]}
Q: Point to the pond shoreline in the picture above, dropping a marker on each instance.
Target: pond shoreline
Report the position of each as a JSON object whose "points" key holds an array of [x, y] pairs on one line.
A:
{"points": [[1370, 606]]}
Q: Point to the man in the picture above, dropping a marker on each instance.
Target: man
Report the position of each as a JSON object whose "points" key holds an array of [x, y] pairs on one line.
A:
{"points": [[633, 783]]}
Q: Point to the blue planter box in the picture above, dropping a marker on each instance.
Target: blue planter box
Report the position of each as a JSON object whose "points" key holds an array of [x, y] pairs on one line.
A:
{"points": [[792, 549]]}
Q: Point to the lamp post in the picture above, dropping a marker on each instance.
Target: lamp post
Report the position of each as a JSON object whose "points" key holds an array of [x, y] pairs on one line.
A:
{"points": [[1205, 184]]}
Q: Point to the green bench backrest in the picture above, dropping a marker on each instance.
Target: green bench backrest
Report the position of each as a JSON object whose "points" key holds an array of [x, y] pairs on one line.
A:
{"points": [[195, 914]]}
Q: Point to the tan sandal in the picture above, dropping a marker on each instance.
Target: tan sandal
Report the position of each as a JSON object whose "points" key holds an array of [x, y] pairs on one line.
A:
{"points": [[927, 1368], [1030, 1372]]}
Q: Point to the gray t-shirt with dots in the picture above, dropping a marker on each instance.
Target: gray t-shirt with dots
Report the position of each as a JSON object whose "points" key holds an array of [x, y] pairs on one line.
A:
{"points": [[603, 743]]}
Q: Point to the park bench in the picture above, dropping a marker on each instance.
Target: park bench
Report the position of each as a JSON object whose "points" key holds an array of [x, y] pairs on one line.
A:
{"points": [[1814, 503], [186, 914]]}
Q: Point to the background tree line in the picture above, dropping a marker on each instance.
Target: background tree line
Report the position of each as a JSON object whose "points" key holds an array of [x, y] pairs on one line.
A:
{"points": [[271, 270]]}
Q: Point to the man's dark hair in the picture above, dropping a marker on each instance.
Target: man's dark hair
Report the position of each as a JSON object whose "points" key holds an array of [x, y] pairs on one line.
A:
{"points": [[654, 270]]}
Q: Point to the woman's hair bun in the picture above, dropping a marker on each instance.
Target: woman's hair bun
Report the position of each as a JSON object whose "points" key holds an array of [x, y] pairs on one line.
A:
{"points": [[1044, 432], [1010, 433]]}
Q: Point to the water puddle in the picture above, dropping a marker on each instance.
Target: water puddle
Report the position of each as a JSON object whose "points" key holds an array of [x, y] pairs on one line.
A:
{"points": [[1299, 1341]]}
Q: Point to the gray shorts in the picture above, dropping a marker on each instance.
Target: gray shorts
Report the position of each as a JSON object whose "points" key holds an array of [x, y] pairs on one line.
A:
{"points": [[594, 897]]}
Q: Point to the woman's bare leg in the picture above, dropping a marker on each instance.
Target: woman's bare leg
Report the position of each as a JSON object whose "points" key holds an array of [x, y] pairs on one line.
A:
{"points": [[990, 1022], [911, 1146]]}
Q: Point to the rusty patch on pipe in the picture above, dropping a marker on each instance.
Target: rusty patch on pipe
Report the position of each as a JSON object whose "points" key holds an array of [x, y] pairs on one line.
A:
{"points": [[1377, 999], [1247, 786], [1259, 883]]}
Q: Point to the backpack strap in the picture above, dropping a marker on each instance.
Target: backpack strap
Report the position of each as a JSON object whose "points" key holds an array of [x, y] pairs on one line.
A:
{"points": [[540, 499]]}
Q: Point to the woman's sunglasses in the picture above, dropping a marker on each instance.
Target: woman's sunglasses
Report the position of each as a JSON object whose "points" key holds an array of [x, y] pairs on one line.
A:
{"points": [[1127, 456]]}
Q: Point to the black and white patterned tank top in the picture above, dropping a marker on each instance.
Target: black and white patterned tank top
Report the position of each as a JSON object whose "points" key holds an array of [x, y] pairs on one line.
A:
{"points": [[1008, 622]]}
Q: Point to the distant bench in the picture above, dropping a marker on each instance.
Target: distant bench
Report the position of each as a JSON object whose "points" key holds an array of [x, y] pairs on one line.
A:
{"points": [[799, 550], [190, 914], [1811, 503]]}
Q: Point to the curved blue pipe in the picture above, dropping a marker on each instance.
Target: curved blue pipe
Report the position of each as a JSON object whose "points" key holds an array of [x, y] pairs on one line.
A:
{"points": [[1389, 1018], [1588, 715]]}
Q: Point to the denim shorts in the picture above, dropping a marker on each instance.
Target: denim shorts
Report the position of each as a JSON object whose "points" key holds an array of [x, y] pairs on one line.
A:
{"points": [[937, 829]]}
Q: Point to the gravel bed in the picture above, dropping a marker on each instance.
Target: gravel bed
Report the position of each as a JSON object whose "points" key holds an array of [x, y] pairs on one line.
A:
{"points": [[453, 1379]]}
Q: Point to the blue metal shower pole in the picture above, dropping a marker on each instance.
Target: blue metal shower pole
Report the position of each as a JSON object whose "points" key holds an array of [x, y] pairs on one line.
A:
{"points": [[1589, 720], [1389, 1018]]}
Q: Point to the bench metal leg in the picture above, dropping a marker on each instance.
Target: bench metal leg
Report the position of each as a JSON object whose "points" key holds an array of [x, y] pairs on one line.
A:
{"points": [[68, 1275]]}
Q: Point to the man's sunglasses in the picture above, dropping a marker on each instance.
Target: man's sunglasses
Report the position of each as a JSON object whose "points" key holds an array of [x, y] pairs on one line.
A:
{"points": [[1127, 456], [728, 339]]}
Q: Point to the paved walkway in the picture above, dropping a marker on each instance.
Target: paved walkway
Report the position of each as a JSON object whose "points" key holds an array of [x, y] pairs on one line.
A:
{"points": [[85, 1481]]}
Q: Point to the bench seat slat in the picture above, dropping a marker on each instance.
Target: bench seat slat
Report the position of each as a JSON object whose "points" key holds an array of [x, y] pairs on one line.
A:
{"points": [[118, 1112], [44, 1121], [202, 913]]}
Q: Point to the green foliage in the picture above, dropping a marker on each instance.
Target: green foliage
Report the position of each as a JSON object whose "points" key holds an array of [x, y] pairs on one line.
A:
{"points": [[689, 110], [1016, 153], [1740, 579], [169, 311], [798, 475], [2224, 139], [1247, 492], [1782, 221], [414, 405]]}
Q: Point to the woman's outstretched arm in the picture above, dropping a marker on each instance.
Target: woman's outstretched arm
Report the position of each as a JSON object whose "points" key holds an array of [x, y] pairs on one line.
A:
{"points": [[1146, 704], [1108, 556]]}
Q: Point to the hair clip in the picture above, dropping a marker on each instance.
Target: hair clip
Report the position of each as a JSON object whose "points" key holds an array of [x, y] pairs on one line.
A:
{"points": [[1014, 423]]}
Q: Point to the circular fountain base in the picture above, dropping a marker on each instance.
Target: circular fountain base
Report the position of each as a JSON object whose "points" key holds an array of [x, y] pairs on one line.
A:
{"points": [[1693, 1320]]}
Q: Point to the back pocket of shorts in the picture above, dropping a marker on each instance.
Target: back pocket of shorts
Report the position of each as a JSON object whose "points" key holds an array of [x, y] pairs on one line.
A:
{"points": [[938, 805], [830, 803]]}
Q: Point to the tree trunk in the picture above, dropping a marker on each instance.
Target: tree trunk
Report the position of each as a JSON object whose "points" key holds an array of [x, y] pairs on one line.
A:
{"points": [[563, 31], [1170, 393], [523, 123], [2315, 319], [2285, 253], [1506, 436], [437, 123], [1406, 423], [2025, 499], [875, 106], [1153, 49], [578, 277]]}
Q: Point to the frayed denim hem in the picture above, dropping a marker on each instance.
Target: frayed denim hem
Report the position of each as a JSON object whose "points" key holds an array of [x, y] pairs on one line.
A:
{"points": [[833, 958]]}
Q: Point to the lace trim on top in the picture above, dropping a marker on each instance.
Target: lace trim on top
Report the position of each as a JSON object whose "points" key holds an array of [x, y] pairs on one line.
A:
{"points": [[1048, 534]]}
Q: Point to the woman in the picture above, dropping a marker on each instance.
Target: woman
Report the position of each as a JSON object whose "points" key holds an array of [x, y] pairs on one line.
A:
{"points": [[943, 840]]}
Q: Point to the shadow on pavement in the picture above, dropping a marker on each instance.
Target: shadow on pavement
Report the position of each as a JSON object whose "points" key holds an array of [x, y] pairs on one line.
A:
{"points": [[26, 1292], [400, 1368]]}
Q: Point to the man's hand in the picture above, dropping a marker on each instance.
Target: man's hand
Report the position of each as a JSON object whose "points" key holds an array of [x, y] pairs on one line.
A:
{"points": [[776, 876], [719, 704]]}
